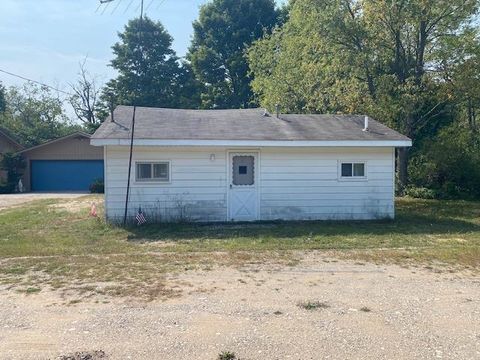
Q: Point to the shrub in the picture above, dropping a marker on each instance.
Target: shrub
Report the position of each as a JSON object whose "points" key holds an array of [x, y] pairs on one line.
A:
{"points": [[97, 187], [227, 355], [448, 165], [13, 164], [421, 192]]}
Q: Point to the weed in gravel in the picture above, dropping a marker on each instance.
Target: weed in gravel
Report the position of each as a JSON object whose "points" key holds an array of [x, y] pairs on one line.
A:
{"points": [[277, 313], [227, 355], [365, 309], [313, 305]]}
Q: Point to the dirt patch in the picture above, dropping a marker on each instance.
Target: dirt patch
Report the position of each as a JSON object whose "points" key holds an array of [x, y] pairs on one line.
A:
{"points": [[78, 205], [374, 311], [13, 200]]}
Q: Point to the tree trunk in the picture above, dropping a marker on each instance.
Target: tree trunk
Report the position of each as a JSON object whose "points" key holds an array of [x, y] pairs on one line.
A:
{"points": [[403, 167]]}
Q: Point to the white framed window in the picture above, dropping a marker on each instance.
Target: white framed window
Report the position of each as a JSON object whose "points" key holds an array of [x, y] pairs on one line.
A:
{"points": [[147, 171], [352, 170]]}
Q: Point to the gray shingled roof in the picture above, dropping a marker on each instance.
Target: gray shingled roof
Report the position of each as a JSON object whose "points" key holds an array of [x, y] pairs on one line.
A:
{"points": [[243, 124]]}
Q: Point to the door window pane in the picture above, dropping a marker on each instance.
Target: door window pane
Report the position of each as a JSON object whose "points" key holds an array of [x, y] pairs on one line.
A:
{"points": [[243, 170]]}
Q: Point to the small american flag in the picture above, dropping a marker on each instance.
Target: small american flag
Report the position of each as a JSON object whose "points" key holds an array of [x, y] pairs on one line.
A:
{"points": [[140, 217]]}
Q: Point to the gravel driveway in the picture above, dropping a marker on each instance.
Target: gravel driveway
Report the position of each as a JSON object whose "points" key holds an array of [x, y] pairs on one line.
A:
{"points": [[10, 200], [368, 311]]}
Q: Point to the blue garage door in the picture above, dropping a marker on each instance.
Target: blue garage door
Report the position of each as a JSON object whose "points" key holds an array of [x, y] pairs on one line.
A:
{"points": [[65, 175]]}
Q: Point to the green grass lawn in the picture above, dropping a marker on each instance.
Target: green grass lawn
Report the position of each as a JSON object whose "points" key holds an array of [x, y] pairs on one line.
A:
{"points": [[46, 243]]}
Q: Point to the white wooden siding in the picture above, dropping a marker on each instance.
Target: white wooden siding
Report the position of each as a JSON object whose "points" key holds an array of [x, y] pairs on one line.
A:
{"points": [[294, 184], [196, 191], [304, 184]]}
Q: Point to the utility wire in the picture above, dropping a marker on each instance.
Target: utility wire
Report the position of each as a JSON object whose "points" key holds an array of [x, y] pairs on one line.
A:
{"points": [[116, 7], [161, 3], [128, 7], [35, 82], [106, 7]]}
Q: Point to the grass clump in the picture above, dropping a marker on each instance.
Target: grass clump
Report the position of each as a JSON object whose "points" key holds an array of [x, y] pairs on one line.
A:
{"points": [[313, 305], [227, 355]]}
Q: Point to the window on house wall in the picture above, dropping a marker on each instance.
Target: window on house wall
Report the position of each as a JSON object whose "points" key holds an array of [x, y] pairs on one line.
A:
{"points": [[153, 171], [352, 170]]}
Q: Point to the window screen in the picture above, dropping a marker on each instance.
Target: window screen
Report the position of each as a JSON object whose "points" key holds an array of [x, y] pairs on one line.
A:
{"points": [[243, 170], [158, 171]]}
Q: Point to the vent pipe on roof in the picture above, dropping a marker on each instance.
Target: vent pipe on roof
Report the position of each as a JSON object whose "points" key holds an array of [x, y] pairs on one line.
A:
{"points": [[111, 108], [277, 110], [365, 128]]}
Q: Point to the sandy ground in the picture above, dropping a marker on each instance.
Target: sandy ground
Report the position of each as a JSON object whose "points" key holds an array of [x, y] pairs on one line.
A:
{"points": [[415, 313], [10, 200]]}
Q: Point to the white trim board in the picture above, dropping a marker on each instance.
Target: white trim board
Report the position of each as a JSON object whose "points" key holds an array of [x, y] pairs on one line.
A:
{"points": [[259, 143]]}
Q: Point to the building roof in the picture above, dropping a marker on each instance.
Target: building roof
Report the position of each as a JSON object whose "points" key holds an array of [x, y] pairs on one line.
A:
{"points": [[238, 125], [72, 135]]}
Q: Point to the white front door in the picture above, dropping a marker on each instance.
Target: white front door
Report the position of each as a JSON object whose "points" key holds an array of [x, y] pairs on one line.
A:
{"points": [[243, 186]]}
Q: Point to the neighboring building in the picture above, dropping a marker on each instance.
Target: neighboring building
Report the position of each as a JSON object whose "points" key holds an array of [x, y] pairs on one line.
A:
{"points": [[7, 145], [246, 165], [69, 163]]}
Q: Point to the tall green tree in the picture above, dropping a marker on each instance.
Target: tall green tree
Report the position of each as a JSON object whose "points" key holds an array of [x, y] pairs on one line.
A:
{"points": [[150, 73], [3, 102], [35, 115], [379, 57], [224, 29]]}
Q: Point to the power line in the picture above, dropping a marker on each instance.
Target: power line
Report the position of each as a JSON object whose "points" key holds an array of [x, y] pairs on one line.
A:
{"points": [[149, 4], [35, 82], [116, 7], [161, 3]]}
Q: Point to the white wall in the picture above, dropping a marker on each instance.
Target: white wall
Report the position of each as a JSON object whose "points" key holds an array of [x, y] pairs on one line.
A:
{"points": [[197, 189], [295, 183], [304, 184]]}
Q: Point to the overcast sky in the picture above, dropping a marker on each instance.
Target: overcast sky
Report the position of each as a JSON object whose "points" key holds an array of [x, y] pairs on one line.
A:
{"points": [[46, 39]]}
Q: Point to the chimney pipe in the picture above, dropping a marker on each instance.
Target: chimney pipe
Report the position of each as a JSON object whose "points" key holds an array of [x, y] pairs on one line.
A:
{"points": [[277, 110], [111, 107], [365, 128]]}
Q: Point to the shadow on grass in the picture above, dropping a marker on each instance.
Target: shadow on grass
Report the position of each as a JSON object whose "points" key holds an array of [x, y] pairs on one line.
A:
{"points": [[415, 225]]}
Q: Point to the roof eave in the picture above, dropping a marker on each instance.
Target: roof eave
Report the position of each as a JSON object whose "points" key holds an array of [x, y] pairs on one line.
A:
{"points": [[253, 143]]}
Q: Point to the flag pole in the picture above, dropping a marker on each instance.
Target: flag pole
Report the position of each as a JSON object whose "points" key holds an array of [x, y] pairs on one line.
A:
{"points": [[133, 126]]}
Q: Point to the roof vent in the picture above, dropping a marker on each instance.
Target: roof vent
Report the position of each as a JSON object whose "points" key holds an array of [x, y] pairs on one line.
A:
{"points": [[365, 128]]}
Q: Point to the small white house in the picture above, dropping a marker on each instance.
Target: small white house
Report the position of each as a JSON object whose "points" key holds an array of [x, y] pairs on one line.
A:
{"points": [[247, 165]]}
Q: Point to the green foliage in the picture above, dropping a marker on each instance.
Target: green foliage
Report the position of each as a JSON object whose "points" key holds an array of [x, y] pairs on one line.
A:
{"points": [[13, 165], [411, 64], [449, 164], [97, 187], [420, 192], [224, 29], [35, 115], [150, 73], [227, 355], [3, 101]]}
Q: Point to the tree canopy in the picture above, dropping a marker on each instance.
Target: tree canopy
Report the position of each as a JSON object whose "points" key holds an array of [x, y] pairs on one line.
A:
{"points": [[223, 31], [395, 60], [35, 115], [150, 73]]}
